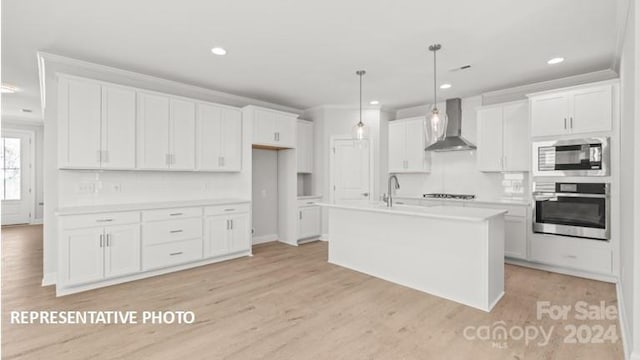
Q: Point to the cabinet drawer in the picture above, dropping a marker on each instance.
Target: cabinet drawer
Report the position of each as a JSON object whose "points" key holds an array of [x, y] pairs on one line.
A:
{"points": [[226, 209], [89, 220], [171, 230], [308, 202], [173, 253], [581, 254], [175, 213]]}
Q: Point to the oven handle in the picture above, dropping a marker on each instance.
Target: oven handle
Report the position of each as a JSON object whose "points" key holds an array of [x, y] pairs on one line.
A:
{"points": [[594, 196]]}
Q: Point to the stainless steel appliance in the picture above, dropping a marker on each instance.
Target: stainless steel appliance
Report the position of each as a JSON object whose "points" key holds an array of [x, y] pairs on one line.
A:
{"points": [[575, 157], [449, 196], [573, 209]]}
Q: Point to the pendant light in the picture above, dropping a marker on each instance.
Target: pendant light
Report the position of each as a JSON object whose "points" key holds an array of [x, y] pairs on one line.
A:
{"points": [[435, 122], [360, 131]]}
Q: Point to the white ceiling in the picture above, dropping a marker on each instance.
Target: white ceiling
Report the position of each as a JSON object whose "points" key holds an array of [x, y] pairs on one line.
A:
{"points": [[305, 53]]}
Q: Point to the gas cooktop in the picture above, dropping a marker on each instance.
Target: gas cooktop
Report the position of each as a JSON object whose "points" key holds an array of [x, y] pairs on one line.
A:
{"points": [[449, 196]]}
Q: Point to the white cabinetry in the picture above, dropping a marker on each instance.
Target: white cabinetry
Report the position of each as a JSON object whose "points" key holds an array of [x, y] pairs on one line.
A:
{"points": [[406, 146], [219, 138], [309, 219], [503, 137], [227, 230], [96, 125], [581, 254], [166, 132], [90, 251], [272, 128], [304, 146], [578, 110]]}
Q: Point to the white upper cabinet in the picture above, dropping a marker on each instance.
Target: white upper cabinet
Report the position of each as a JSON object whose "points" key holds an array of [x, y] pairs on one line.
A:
{"points": [[219, 138], [166, 132], [153, 131], [304, 146], [96, 125], [503, 138], [406, 146], [182, 135], [118, 127], [582, 110], [272, 128]]}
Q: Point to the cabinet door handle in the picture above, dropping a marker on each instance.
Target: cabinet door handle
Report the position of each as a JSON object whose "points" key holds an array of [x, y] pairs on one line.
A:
{"points": [[227, 224], [275, 136], [229, 209], [571, 122], [176, 253], [175, 231], [101, 239], [565, 123], [175, 214], [108, 236], [300, 215], [231, 224], [104, 220]]}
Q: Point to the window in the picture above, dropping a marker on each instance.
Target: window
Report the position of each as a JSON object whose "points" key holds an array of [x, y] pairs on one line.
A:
{"points": [[10, 159]]}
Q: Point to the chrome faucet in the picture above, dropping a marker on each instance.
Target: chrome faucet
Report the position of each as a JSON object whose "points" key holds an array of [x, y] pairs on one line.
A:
{"points": [[389, 198]]}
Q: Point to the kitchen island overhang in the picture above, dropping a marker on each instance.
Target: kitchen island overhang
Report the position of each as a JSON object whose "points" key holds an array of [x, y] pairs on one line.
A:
{"points": [[451, 252]]}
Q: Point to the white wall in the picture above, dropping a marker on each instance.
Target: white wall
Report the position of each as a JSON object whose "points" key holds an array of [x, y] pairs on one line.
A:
{"points": [[38, 143], [265, 195], [629, 296]]}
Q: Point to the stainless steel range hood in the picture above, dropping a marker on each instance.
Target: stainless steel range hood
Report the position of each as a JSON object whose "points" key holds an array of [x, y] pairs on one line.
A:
{"points": [[453, 140]]}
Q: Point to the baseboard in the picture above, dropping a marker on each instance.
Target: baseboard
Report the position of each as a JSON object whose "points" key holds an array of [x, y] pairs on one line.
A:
{"points": [[264, 239], [566, 271], [49, 279], [37, 222], [324, 237], [622, 319]]}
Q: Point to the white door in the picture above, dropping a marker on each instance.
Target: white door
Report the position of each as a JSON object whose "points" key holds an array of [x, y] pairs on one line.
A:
{"points": [[591, 110], [515, 237], [79, 126], [85, 259], [516, 137], [17, 188], [239, 234], [153, 131], [182, 135], [549, 115], [350, 170], [308, 222], [209, 134], [415, 141], [397, 146], [264, 127], [122, 250], [490, 139], [216, 235], [231, 140], [285, 128], [118, 128]]}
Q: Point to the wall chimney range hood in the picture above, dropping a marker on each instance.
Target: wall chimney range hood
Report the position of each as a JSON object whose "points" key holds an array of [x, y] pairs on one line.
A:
{"points": [[453, 140]]}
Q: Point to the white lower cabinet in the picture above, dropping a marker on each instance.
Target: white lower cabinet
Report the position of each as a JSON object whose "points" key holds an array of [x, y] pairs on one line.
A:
{"points": [[99, 249], [515, 236], [97, 253], [309, 222], [226, 234], [575, 253]]}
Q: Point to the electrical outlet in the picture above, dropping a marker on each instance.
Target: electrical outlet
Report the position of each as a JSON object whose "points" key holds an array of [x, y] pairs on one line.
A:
{"points": [[86, 188], [117, 188]]}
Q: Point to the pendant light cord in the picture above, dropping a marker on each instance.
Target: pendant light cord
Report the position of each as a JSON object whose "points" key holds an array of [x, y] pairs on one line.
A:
{"points": [[435, 98], [360, 99]]}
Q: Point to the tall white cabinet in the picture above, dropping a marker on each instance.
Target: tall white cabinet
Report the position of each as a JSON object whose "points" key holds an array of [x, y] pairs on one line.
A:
{"points": [[503, 137], [96, 125], [406, 146], [304, 146]]}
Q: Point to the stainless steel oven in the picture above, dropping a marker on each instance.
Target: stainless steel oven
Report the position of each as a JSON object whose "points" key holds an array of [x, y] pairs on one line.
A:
{"points": [[575, 157], [572, 209]]}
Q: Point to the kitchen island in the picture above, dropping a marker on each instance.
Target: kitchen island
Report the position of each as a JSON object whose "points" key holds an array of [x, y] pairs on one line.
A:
{"points": [[452, 252]]}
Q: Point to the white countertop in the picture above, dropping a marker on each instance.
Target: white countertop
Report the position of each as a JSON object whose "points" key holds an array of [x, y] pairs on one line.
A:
{"points": [[91, 209], [438, 212], [305, 197], [505, 201]]}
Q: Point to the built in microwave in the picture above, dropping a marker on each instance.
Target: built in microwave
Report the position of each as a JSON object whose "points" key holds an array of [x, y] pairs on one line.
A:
{"points": [[573, 157]]}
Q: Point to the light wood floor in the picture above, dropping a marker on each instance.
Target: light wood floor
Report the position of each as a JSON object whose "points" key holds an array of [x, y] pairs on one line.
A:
{"points": [[283, 303]]}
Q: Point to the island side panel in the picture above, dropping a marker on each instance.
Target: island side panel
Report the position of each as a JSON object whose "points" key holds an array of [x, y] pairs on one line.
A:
{"points": [[496, 260], [446, 258]]}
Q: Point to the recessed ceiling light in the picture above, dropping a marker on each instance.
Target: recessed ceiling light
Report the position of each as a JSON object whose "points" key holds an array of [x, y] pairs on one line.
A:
{"points": [[556, 60], [445, 86], [374, 102], [8, 89], [219, 51]]}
